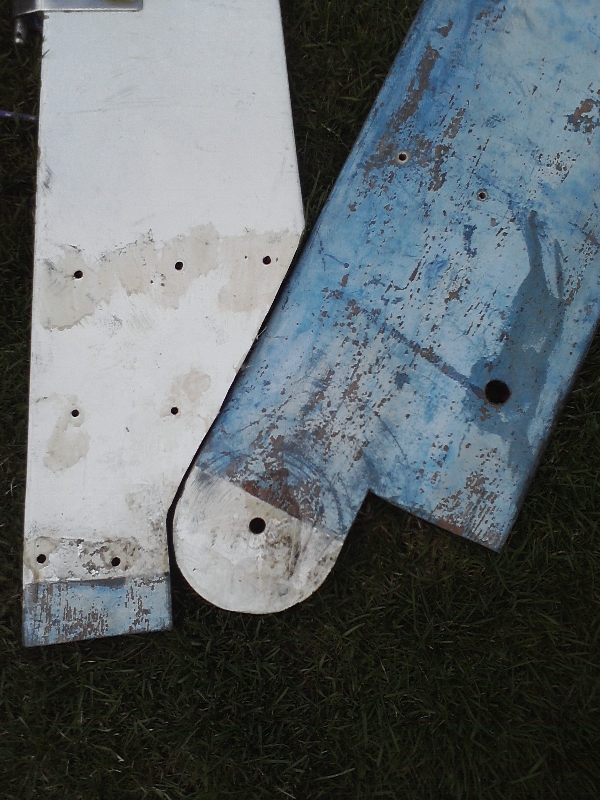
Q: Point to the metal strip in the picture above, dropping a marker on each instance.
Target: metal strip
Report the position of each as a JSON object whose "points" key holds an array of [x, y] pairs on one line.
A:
{"points": [[436, 317], [21, 7]]}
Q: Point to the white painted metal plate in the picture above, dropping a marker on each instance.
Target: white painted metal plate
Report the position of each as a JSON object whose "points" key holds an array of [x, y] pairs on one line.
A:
{"points": [[168, 211]]}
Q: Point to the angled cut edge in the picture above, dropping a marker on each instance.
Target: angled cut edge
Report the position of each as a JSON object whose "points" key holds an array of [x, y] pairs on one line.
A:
{"points": [[243, 554]]}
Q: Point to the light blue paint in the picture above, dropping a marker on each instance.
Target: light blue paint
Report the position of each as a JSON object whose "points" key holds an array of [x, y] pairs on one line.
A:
{"points": [[409, 274], [71, 610], [412, 293]]}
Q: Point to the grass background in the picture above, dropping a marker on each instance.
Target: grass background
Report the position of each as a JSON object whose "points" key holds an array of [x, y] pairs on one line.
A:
{"points": [[425, 667]]}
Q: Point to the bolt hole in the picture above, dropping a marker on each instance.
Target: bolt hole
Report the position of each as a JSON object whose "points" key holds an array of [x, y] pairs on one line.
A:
{"points": [[115, 561], [267, 260], [257, 525], [174, 410], [497, 392], [482, 195], [75, 413], [403, 156], [78, 274], [179, 265], [41, 558]]}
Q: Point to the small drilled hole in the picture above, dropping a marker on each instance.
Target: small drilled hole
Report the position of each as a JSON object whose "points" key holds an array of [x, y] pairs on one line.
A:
{"points": [[179, 265], [497, 392], [482, 195], [257, 525], [267, 260], [78, 274], [403, 156], [115, 561], [75, 413], [174, 410], [41, 558]]}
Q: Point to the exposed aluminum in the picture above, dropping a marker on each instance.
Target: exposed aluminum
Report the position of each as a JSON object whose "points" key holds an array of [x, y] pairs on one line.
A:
{"points": [[21, 7]]}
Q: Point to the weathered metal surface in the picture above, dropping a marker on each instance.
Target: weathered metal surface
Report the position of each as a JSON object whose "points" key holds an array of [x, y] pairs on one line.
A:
{"points": [[437, 316], [168, 211], [68, 610]]}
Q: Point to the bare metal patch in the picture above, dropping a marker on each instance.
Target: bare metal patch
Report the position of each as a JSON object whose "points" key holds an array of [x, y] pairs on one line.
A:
{"points": [[242, 292], [70, 441], [73, 286], [586, 116]]}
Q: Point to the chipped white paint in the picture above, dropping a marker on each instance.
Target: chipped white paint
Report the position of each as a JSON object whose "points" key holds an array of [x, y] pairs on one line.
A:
{"points": [[168, 211], [243, 554], [66, 559]]}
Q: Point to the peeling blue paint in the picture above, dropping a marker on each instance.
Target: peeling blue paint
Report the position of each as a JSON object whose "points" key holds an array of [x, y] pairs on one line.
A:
{"points": [[458, 253], [66, 611], [586, 117], [468, 232]]}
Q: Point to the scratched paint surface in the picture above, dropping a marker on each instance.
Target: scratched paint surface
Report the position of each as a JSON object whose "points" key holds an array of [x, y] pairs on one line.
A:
{"points": [[444, 301], [168, 211], [69, 610]]}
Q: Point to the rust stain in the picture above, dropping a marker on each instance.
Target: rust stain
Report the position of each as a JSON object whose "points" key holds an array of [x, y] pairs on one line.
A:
{"points": [[487, 16], [441, 151], [455, 513], [592, 239], [298, 497], [445, 29], [423, 83], [387, 146], [582, 119], [451, 525], [422, 150], [438, 178], [454, 295], [453, 126]]}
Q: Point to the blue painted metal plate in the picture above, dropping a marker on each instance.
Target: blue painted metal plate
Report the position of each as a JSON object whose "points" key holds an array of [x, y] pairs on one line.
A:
{"points": [[436, 318], [70, 610]]}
